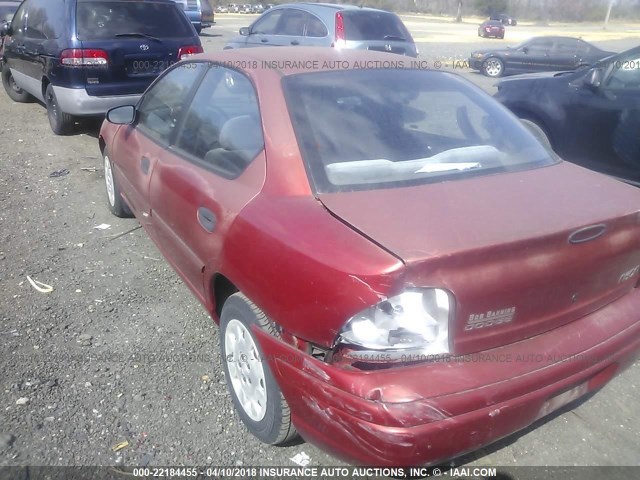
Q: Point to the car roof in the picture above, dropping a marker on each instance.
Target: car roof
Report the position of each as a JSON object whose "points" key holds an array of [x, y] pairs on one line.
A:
{"points": [[317, 7], [303, 59]]}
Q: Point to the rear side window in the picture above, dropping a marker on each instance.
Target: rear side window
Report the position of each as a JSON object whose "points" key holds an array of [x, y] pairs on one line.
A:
{"points": [[108, 19], [368, 25], [45, 19]]}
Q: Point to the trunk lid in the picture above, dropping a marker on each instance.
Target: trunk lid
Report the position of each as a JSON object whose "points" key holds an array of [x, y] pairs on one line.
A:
{"points": [[523, 253]]}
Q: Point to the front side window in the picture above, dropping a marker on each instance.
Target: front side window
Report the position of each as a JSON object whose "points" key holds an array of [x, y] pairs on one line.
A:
{"points": [[540, 45], [109, 19], [162, 106], [222, 129], [19, 20], [267, 25], [367, 129], [625, 73]]}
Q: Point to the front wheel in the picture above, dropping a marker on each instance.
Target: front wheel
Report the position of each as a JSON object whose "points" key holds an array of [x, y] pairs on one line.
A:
{"points": [[493, 67], [115, 201], [254, 391], [61, 123], [15, 93]]}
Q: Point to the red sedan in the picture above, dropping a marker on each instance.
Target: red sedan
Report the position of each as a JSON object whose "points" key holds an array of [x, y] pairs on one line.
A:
{"points": [[491, 28], [401, 272]]}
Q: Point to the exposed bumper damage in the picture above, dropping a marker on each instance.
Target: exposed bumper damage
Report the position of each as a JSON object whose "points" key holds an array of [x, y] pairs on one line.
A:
{"points": [[431, 412]]}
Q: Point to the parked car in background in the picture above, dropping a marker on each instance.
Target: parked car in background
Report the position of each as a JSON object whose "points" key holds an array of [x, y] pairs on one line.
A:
{"points": [[246, 8], [590, 117], [82, 57], [234, 8], [327, 25], [7, 10], [538, 54], [405, 277], [199, 13], [491, 29], [504, 19], [257, 8], [222, 9]]}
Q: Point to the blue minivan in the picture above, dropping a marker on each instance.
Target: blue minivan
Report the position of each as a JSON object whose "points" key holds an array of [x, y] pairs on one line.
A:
{"points": [[83, 57]]}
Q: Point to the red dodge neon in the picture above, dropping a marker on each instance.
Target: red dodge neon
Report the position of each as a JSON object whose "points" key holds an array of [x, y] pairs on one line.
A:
{"points": [[401, 272]]}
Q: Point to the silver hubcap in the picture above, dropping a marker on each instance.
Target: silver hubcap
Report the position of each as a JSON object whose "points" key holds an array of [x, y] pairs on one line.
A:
{"points": [[494, 67], [108, 178], [245, 370]]}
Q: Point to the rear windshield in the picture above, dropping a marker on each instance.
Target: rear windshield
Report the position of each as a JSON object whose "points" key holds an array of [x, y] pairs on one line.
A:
{"points": [[368, 129], [368, 25], [97, 20]]}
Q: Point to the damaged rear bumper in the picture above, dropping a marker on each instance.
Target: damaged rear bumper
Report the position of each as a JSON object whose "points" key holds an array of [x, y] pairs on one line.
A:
{"points": [[431, 412]]}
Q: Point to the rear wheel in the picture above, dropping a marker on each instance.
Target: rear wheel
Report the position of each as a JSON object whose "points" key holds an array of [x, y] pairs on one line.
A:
{"points": [[493, 67], [15, 93], [61, 123], [254, 391]]}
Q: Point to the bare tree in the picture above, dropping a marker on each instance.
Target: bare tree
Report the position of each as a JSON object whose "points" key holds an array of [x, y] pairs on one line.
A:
{"points": [[459, 14]]}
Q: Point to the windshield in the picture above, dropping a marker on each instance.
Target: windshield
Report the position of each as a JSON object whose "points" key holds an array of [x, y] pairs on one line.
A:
{"points": [[367, 129], [111, 18]]}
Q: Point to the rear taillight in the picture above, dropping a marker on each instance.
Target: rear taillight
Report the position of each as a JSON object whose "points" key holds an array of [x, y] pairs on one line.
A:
{"points": [[186, 52], [340, 35], [84, 57]]}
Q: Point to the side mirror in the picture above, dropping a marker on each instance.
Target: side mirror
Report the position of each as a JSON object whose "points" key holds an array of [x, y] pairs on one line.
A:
{"points": [[124, 115], [244, 31], [6, 29], [594, 77]]}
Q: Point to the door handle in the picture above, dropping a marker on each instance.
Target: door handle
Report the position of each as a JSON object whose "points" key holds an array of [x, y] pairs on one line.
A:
{"points": [[144, 165], [207, 219], [295, 42], [264, 40]]}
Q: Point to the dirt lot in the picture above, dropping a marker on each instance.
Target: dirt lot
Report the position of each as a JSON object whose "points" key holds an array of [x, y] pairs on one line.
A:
{"points": [[120, 351]]}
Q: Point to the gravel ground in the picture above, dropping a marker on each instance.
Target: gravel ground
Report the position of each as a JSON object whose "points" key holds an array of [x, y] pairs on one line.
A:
{"points": [[119, 351]]}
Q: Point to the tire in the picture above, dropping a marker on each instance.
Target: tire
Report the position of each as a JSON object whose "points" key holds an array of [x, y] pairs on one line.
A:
{"points": [[493, 67], [115, 201], [13, 90], [254, 391], [538, 131], [61, 123]]}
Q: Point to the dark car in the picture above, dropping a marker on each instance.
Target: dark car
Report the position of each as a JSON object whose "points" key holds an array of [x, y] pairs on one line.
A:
{"points": [[590, 117], [537, 54], [327, 25], [401, 272], [491, 28], [199, 12], [82, 57], [7, 10], [504, 19]]}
